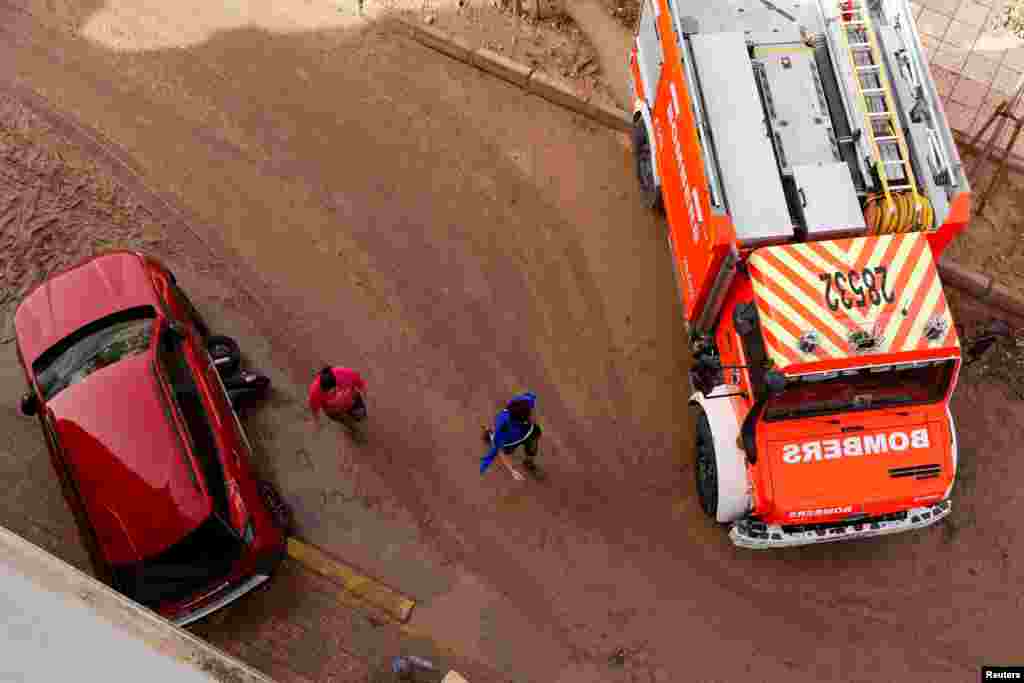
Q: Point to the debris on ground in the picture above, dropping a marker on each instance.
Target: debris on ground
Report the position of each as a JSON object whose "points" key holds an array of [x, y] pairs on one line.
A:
{"points": [[540, 35], [1003, 360], [992, 344]]}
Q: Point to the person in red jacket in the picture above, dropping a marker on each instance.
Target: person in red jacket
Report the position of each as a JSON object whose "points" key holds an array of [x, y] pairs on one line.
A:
{"points": [[338, 392]]}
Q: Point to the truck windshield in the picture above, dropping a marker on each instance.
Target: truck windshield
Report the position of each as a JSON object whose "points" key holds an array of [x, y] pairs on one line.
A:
{"points": [[93, 347], [205, 555], [862, 389]]}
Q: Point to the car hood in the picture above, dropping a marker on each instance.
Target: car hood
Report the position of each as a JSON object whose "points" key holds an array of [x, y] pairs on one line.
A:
{"points": [[861, 465], [87, 292], [128, 460]]}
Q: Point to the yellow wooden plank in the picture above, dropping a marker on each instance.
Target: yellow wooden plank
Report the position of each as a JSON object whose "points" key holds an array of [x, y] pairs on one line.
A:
{"points": [[391, 602]]}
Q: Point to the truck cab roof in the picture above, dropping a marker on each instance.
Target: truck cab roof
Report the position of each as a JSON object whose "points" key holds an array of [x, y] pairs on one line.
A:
{"points": [[822, 305]]}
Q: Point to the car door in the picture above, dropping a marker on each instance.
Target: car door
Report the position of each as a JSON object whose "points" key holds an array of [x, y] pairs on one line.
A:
{"points": [[69, 487]]}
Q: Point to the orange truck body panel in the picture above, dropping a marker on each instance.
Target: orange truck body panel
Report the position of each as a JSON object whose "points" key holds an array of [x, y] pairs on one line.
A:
{"points": [[812, 465], [700, 240]]}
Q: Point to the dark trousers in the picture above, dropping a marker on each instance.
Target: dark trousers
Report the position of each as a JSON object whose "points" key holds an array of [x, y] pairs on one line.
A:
{"points": [[530, 446], [357, 413]]}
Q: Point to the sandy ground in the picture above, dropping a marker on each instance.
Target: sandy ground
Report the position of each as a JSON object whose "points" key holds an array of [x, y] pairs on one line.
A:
{"points": [[372, 203], [543, 35]]}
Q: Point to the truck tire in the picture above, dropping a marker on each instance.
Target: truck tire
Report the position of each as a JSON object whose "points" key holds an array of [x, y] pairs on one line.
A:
{"points": [[705, 467], [650, 192]]}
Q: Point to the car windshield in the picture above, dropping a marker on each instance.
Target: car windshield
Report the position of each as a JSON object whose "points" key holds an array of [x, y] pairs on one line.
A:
{"points": [[93, 347], [861, 389], [207, 554]]}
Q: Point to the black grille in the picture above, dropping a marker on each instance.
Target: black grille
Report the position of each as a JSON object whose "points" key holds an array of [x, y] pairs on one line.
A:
{"points": [[857, 524], [916, 471]]}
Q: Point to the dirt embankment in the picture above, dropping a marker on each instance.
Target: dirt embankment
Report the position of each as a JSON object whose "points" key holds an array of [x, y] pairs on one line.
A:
{"points": [[56, 208], [584, 42], [992, 242]]}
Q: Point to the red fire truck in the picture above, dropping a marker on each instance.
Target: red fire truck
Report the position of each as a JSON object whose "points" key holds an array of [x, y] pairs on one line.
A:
{"points": [[810, 182]]}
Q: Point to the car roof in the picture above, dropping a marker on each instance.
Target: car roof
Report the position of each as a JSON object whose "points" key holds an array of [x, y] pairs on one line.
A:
{"points": [[129, 460], [83, 293]]}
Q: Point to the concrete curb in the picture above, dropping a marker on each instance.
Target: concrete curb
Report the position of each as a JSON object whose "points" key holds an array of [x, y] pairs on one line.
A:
{"points": [[982, 287], [552, 89], [395, 605]]}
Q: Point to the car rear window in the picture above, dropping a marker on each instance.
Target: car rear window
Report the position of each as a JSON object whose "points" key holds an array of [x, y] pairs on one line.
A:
{"points": [[93, 347], [207, 554]]}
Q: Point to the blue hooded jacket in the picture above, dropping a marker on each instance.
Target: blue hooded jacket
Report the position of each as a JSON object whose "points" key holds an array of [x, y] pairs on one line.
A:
{"points": [[508, 432]]}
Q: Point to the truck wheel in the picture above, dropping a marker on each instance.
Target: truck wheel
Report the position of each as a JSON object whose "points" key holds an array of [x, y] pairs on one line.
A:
{"points": [[649, 190], [705, 467]]}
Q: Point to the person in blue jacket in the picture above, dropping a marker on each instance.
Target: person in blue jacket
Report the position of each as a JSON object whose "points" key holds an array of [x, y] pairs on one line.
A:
{"points": [[514, 427]]}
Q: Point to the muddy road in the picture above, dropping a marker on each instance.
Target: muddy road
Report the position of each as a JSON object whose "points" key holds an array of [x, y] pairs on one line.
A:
{"points": [[386, 208]]}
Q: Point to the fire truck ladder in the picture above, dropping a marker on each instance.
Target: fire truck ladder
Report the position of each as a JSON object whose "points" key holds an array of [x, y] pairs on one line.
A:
{"points": [[881, 121]]}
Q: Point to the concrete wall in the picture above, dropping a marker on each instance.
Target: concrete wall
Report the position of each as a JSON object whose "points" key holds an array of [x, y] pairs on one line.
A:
{"points": [[58, 624]]}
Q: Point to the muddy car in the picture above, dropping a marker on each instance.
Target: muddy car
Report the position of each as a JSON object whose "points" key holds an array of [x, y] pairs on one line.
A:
{"points": [[151, 456]]}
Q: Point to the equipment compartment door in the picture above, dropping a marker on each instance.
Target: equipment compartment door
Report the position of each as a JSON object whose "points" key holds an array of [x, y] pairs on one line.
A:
{"points": [[648, 50]]}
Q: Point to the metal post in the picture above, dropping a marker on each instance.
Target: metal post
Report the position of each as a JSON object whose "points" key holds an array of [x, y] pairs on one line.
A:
{"points": [[1005, 110]]}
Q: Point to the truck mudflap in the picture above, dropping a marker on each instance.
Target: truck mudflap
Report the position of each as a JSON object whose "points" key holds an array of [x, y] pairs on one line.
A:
{"points": [[759, 536]]}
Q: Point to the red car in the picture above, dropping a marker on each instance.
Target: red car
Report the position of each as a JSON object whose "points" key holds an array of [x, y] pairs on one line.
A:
{"points": [[152, 458]]}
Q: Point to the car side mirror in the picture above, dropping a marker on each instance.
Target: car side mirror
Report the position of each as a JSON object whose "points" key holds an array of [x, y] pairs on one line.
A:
{"points": [[29, 404]]}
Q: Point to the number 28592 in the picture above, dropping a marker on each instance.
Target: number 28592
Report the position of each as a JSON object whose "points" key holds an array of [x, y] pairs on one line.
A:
{"points": [[856, 288]]}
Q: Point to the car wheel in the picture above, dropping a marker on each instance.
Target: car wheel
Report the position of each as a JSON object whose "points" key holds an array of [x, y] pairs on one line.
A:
{"points": [[644, 157], [705, 467], [226, 354], [280, 511]]}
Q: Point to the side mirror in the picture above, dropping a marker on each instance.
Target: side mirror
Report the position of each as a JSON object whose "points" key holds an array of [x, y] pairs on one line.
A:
{"points": [[29, 404], [774, 382], [706, 374]]}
